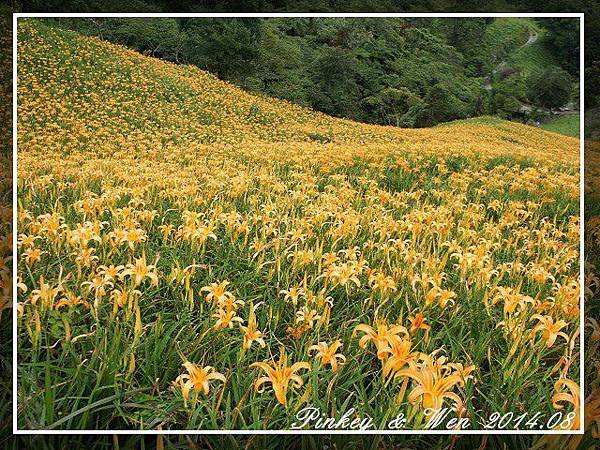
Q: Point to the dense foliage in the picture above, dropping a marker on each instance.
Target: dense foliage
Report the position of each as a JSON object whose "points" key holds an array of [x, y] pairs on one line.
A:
{"points": [[550, 88], [401, 71]]}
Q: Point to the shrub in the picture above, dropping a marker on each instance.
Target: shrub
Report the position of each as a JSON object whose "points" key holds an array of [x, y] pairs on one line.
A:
{"points": [[550, 88]]}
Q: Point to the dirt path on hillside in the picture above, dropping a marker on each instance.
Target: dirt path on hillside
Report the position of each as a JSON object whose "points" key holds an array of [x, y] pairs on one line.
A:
{"points": [[487, 84]]}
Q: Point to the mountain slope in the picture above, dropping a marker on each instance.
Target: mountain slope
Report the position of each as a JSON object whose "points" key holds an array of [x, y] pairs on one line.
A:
{"points": [[106, 88]]}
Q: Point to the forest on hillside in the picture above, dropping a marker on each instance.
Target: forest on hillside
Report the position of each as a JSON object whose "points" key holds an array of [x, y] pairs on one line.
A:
{"points": [[408, 72]]}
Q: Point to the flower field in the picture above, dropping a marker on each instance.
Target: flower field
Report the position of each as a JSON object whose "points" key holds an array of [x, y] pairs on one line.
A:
{"points": [[192, 256]]}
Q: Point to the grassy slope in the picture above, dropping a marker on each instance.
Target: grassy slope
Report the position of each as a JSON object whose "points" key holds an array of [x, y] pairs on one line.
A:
{"points": [[123, 107], [567, 125], [504, 40], [533, 57], [504, 36]]}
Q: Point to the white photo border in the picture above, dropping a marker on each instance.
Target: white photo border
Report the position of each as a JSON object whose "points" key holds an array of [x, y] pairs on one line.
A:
{"points": [[481, 431]]}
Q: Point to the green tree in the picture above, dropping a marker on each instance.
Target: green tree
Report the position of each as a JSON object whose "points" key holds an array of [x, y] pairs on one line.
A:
{"points": [[550, 88], [336, 82], [280, 67], [394, 106], [442, 105], [226, 47], [563, 37], [507, 97]]}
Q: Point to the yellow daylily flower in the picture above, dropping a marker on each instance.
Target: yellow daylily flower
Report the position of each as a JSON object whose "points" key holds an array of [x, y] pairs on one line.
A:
{"points": [[549, 328], [251, 332], [434, 381], [280, 376], [400, 355], [226, 319], [141, 270], [197, 378], [570, 396], [417, 322], [327, 354], [381, 336], [216, 292]]}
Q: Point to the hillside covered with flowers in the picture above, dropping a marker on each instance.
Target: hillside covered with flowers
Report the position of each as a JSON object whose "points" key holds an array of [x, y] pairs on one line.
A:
{"points": [[192, 256]]}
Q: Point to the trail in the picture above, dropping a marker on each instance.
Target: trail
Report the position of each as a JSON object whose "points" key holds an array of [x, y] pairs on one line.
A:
{"points": [[487, 84]]}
